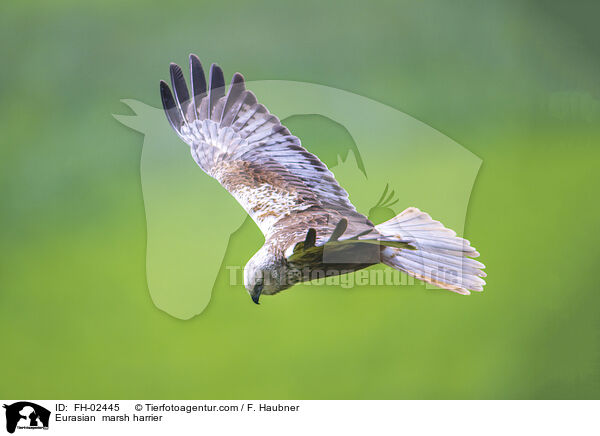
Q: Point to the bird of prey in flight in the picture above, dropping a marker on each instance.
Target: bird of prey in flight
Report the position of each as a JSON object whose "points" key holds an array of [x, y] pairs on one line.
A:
{"points": [[310, 226]]}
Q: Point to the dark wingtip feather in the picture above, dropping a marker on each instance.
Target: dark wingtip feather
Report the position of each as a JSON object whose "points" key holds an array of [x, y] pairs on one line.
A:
{"points": [[217, 78], [179, 86], [235, 90], [237, 79], [170, 107], [217, 86], [198, 77]]}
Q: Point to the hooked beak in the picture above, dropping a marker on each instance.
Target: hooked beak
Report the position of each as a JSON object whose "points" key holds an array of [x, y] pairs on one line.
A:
{"points": [[256, 293]]}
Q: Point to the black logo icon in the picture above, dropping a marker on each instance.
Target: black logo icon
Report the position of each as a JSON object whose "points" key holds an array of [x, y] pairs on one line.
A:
{"points": [[24, 414]]}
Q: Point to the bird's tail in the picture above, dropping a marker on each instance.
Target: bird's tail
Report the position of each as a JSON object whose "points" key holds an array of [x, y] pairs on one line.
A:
{"points": [[441, 258]]}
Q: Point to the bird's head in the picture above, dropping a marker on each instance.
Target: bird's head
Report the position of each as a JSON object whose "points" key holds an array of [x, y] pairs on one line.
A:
{"points": [[262, 274]]}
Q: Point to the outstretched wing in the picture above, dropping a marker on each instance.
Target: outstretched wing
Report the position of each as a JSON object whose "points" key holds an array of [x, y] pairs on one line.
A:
{"points": [[235, 139]]}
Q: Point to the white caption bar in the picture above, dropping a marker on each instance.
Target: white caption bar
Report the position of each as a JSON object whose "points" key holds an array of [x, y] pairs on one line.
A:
{"points": [[256, 417]]}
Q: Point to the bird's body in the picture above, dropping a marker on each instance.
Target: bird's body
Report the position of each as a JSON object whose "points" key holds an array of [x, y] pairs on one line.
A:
{"points": [[311, 228], [285, 269]]}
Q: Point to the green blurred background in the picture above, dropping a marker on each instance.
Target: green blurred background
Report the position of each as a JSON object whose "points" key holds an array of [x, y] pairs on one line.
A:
{"points": [[514, 82]]}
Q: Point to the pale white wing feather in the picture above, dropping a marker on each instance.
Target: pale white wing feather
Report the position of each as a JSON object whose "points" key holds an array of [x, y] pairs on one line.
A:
{"points": [[235, 139]]}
